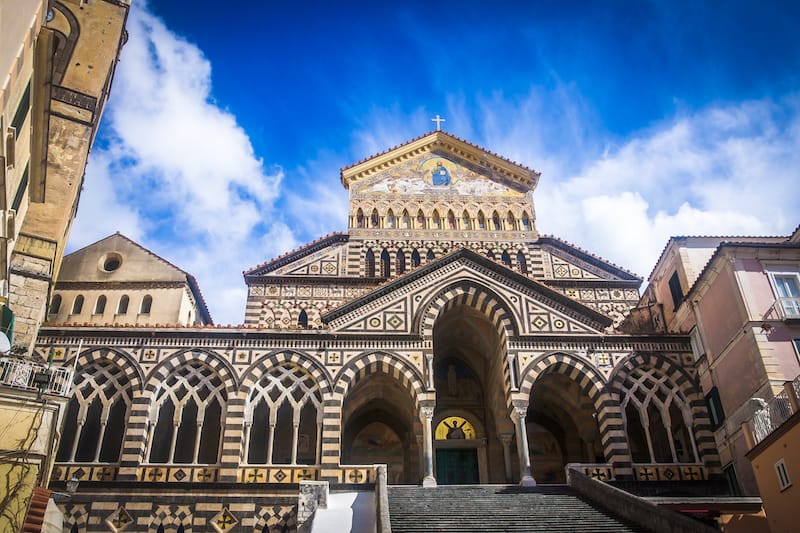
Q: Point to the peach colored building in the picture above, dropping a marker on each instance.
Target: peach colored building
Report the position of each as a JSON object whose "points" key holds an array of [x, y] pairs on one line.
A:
{"points": [[739, 300]]}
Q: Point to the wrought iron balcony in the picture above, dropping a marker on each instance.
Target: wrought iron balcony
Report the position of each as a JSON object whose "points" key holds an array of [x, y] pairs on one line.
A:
{"points": [[29, 376]]}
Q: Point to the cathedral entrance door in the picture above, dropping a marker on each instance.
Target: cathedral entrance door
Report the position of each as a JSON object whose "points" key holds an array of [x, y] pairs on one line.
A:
{"points": [[457, 466]]}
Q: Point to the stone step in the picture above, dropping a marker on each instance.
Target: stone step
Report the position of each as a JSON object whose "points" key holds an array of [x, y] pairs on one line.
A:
{"points": [[497, 508]]}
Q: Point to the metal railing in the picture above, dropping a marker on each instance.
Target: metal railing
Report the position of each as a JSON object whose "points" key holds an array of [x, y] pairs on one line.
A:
{"points": [[788, 308], [25, 375], [775, 412]]}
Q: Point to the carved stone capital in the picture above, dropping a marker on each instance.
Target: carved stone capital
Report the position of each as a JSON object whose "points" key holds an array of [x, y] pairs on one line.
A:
{"points": [[426, 413]]}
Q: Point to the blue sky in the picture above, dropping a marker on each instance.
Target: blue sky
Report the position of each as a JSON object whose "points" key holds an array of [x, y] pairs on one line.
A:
{"points": [[226, 127]]}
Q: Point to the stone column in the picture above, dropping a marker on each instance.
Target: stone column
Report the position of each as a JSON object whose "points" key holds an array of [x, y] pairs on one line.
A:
{"points": [[518, 415], [505, 439], [426, 416], [429, 366]]}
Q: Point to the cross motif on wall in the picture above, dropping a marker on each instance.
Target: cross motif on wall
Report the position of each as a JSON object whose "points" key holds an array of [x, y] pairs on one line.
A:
{"points": [[255, 475], [438, 120]]}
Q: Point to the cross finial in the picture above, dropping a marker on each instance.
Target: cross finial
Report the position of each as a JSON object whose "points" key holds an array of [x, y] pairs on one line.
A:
{"points": [[438, 120]]}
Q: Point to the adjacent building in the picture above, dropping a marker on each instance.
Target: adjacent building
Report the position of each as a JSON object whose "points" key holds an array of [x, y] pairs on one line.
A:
{"points": [[57, 61], [738, 298]]}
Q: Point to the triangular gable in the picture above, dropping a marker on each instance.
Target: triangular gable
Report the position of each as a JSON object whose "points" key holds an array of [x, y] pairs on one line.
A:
{"points": [[322, 257], [392, 308], [471, 161], [136, 264], [564, 261]]}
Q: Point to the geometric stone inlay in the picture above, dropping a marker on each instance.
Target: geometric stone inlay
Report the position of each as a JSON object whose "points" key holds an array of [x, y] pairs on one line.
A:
{"points": [[224, 520], [119, 520]]}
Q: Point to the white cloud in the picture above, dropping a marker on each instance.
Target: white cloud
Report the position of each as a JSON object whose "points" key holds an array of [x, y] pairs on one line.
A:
{"points": [[177, 173]]}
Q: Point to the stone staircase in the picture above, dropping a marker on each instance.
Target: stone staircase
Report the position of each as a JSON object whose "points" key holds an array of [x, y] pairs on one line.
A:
{"points": [[498, 508]]}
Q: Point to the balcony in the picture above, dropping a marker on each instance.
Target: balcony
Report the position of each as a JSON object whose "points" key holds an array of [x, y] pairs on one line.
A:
{"points": [[787, 308], [774, 413], [28, 376]]}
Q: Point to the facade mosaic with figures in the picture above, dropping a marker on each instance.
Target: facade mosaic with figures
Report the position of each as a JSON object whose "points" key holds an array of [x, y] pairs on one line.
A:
{"points": [[441, 335]]}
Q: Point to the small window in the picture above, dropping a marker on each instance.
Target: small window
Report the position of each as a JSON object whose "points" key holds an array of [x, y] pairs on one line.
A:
{"points": [[415, 260], [55, 305], [420, 220], [112, 262], [22, 111], [715, 411], [374, 219], [22, 188], [697, 343], [122, 308], [369, 264], [430, 256], [147, 303], [787, 290], [506, 259], [100, 305], [385, 268], [302, 320], [77, 305], [360, 219], [783, 475], [390, 219], [496, 221], [676, 290], [733, 483], [400, 262]]}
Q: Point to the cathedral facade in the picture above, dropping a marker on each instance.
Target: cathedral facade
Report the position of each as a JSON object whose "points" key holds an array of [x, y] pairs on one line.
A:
{"points": [[441, 335]]}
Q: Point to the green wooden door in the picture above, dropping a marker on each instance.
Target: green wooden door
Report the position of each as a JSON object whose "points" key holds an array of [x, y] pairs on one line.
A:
{"points": [[457, 466]]}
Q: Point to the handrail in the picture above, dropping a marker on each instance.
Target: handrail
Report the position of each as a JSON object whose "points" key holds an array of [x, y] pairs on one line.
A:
{"points": [[772, 414], [26, 375]]}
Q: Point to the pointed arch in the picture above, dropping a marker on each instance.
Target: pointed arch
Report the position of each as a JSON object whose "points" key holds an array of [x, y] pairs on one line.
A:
{"points": [[369, 264], [497, 224], [511, 221], [466, 220], [360, 220], [472, 294], [522, 265], [284, 357], [390, 220], [302, 319], [122, 359], [215, 361], [420, 224], [481, 220], [451, 219], [391, 364], [406, 220], [430, 256], [374, 219], [400, 262], [505, 258], [415, 259], [385, 264], [526, 222], [436, 222]]}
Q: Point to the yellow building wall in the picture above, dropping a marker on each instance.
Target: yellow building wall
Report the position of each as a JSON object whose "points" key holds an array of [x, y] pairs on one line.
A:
{"points": [[781, 506]]}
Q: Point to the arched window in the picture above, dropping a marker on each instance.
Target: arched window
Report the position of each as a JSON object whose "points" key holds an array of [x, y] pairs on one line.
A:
{"points": [[511, 222], [390, 223], [302, 319], [360, 222], [506, 259], [496, 224], [96, 415], [521, 263], [55, 304], [415, 261], [283, 419], [400, 262], [451, 220], [188, 412], [374, 220], [100, 305], [490, 255], [657, 419], [430, 256], [147, 304], [77, 305], [465, 221], [385, 268], [526, 222], [481, 220], [436, 222], [406, 220], [420, 219], [122, 307], [369, 264]]}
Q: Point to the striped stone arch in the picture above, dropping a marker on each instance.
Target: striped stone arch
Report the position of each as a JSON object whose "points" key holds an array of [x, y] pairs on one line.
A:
{"points": [[280, 358], [472, 294], [124, 361], [690, 392], [387, 363], [212, 359], [591, 382]]}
